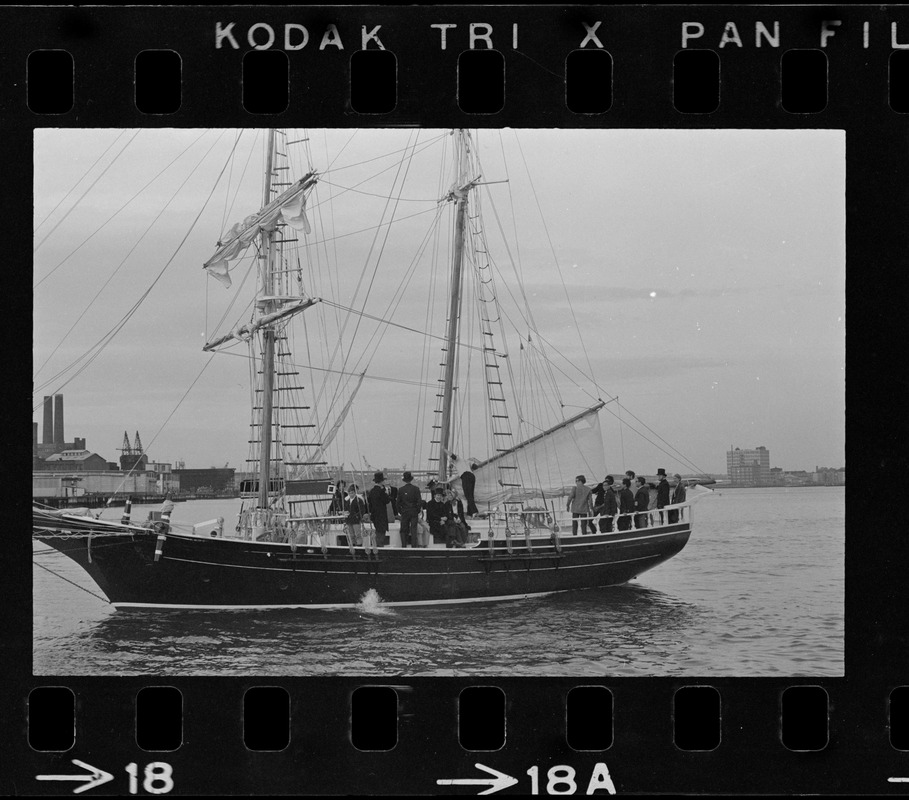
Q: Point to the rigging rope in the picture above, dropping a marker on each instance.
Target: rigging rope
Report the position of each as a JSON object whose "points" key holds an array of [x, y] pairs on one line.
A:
{"points": [[163, 425], [555, 257], [116, 213], [433, 200], [126, 257], [79, 199], [371, 227], [102, 343], [377, 262], [88, 591], [426, 145]]}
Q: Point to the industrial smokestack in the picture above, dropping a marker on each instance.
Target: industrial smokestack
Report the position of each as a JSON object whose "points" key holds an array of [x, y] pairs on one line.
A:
{"points": [[48, 421], [58, 419]]}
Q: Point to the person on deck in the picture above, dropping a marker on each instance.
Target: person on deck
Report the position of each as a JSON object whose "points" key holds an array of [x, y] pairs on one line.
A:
{"points": [[338, 500], [678, 496], [598, 491], [626, 505], [378, 499], [464, 470], [356, 508], [456, 528], [641, 503], [608, 505], [469, 485], [393, 498], [410, 503], [662, 498], [438, 512], [580, 505]]}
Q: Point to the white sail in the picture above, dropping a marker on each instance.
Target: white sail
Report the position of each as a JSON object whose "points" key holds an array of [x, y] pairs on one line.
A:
{"points": [[547, 464], [289, 207]]}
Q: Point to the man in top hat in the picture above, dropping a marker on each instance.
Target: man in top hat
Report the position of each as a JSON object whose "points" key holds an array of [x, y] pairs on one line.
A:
{"points": [[662, 499], [378, 499], [410, 503]]}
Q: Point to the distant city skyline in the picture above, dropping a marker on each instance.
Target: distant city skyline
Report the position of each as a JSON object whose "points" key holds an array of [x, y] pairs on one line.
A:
{"points": [[705, 271], [190, 463]]}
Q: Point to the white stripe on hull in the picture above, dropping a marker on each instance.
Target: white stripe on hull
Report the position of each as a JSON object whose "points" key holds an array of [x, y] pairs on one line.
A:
{"points": [[501, 558]]}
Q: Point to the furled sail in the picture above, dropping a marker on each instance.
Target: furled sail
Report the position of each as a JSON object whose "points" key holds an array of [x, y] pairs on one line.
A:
{"points": [[289, 207], [244, 333], [546, 463]]}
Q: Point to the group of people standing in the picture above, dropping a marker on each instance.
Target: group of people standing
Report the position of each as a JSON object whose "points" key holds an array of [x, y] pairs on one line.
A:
{"points": [[621, 505], [367, 517]]}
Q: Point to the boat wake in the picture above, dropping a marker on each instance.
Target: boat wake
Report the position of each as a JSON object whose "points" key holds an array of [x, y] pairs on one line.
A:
{"points": [[371, 603]]}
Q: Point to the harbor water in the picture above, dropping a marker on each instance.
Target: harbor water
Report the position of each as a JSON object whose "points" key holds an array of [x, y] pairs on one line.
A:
{"points": [[758, 591]]}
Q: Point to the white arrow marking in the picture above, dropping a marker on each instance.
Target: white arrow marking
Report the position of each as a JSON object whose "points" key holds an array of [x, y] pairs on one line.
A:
{"points": [[97, 777], [498, 781]]}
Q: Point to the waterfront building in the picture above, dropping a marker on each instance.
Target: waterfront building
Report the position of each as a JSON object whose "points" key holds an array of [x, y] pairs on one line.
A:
{"points": [[54, 440], [69, 460], [748, 467], [69, 469], [91, 482], [830, 476], [212, 479]]}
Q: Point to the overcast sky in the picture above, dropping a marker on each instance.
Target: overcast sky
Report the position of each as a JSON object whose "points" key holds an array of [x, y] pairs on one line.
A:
{"points": [[705, 271]]}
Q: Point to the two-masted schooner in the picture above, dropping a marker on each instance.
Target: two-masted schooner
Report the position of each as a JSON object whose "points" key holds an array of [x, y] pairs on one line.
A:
{"points": [[285, 549]]}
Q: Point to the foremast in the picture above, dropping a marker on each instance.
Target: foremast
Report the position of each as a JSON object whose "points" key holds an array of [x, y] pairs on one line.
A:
{"points": [[460, 195], [271, 229], [266, 305], [275, 304]]}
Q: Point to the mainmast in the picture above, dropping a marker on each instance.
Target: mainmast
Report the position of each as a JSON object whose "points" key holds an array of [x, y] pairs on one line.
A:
{"points": [[266, 305], [459, 193]]}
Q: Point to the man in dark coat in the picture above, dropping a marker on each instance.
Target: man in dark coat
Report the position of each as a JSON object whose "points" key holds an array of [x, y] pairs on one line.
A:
{"points": [[339, 500], [410, 503], [468, 484], [678, 496], [626, 504], [607, 505], [464, 470], [378, 499], [662, 498], [641, 502]]}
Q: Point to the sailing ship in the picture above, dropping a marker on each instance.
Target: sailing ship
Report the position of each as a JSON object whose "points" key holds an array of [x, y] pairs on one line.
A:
{"points": [[286, 549]]}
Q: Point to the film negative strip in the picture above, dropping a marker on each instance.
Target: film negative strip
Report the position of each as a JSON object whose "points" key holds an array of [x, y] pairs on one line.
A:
{"points": [[708, 173]]}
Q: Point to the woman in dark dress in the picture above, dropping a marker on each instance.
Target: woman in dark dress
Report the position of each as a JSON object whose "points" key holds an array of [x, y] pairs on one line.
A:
{"points": [[438, 512]]}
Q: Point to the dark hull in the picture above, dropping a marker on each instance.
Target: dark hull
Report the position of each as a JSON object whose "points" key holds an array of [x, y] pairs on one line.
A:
{"points": [[197, 572]]}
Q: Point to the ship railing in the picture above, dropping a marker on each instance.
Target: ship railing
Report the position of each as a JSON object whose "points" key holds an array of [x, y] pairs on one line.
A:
{"points": [[213, 527], [316, 529], [545, 519]]}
